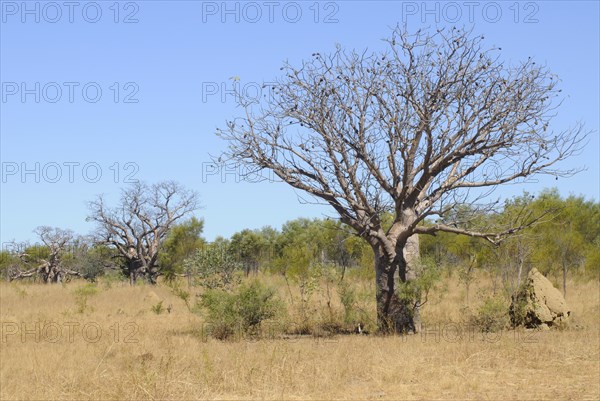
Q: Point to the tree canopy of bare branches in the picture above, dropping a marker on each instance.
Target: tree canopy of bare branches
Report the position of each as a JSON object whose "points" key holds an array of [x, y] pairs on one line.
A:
{"points": [[435, 120], [50, 269], [137, 227]]}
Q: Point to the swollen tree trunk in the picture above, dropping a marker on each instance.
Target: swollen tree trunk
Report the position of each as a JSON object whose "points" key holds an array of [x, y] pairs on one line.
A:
{"points": [[134, 270], [397, 312], [412, 257], [132, 277]]}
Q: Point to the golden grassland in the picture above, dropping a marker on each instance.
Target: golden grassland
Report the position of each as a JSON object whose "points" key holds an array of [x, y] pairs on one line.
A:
{"points": [[114, 347]]}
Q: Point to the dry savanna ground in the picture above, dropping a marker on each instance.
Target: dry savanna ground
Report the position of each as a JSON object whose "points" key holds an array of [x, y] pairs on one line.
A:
{"points": [[112, 346]]}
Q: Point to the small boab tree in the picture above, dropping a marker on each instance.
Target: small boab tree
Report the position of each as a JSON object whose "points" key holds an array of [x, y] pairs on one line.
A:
{"points": [[49, 269], [137, 227], [433, 121]]}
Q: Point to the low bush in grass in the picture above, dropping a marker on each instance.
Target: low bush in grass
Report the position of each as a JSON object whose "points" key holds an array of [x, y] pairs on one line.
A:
{"points": [[491, 316], [82, 295], [240, 312]]}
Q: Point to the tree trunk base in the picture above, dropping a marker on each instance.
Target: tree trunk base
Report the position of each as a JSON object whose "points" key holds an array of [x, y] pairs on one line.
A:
{"points": [[400, 317]]}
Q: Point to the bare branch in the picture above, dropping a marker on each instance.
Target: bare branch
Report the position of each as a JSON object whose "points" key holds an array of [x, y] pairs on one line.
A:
{"points": [[137, 227], [435, 121], [413, 128]]}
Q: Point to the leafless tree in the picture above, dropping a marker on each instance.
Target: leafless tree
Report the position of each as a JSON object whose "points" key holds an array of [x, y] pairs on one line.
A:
{"points": [[432, 121], [137, 227], [50, 269]]}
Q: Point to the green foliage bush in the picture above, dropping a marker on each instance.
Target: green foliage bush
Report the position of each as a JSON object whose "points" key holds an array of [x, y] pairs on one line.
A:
{"points": [[592, 261], [158, 308], [518, 309], [214, 267], [348, 301], [239, 312], [180, 293], [429, 274], [492, 315], [182, 242], [82, 294]]}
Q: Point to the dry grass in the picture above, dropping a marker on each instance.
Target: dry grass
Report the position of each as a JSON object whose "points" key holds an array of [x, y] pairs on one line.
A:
{"points": [[139, 354]]}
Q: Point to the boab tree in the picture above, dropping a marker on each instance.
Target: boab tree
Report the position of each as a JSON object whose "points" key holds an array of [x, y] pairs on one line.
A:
{"points": [[434, 120], [50, 269], [137, 227]]}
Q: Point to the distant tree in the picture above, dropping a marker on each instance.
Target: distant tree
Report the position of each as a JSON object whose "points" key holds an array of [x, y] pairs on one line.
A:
{"points": [[49, 268], [138, 226], [563, 244], [90, 260], [7, 260], [435, 121], [214, 265], [301, 233], [514, 256], [181, 243], [269, 237], [248, 247], [339, 246]]}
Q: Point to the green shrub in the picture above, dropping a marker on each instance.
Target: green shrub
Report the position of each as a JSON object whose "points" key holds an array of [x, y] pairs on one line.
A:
{"points": [[348, 300], [492, 315], [518, 311], [82, 294], [214, 267], [241, 311], [220, 313], [183, 295], [592, 261], [158, 308], [429, 275]]}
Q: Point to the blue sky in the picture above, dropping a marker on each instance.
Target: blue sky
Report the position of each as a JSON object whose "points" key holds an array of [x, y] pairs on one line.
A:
{"points": [[135, 88]]}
